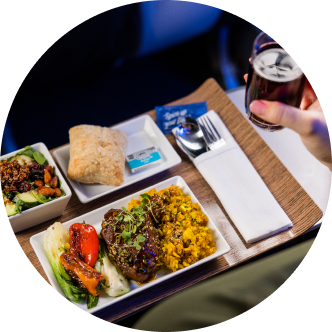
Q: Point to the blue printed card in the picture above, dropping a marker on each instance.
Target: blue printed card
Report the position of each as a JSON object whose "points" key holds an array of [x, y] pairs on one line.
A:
{"points": [[168, 117]]}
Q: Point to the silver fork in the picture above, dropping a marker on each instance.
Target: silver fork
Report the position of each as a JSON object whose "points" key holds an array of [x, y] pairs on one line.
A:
{"points": [[210, 133]]}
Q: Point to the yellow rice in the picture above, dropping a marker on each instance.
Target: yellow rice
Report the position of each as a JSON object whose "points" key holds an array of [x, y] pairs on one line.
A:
{"points": [[183, 233]]}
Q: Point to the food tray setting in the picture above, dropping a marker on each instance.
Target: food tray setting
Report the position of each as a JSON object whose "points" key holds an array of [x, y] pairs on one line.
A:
{"points": [[298, 205], [143, 133], [95, 218], [37, 214]]}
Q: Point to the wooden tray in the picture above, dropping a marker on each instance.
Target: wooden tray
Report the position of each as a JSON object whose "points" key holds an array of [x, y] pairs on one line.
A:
{"points": [[297, 204]]}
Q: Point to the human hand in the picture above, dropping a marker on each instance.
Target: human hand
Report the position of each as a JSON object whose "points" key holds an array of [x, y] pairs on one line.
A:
{"points": [[308, 121]]}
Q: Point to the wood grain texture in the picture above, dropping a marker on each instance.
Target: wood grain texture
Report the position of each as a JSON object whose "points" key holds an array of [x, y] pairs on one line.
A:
{"points": [[297, 204]]}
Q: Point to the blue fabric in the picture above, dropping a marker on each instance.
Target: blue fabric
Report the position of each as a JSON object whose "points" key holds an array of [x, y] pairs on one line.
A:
{"points": [[8, 141], [168, 23], [227, 67]]}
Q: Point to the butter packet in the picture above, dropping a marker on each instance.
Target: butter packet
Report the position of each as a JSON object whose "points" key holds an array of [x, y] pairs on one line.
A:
{"points": [[143, 159], [168, 117]]}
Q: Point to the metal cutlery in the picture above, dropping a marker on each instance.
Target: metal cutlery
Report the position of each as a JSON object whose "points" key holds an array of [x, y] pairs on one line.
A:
{"points": [[210, 133], [190, 139]]}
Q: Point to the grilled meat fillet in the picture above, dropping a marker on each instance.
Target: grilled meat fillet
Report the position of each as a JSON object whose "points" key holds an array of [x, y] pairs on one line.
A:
{"points": [[138, 265]]}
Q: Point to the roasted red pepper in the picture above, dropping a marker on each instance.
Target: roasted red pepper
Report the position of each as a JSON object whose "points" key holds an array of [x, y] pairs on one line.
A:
{"points": [[84, 243]]}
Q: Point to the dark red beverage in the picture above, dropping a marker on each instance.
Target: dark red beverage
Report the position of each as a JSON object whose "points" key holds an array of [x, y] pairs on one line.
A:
{"points": [[273, 75]]}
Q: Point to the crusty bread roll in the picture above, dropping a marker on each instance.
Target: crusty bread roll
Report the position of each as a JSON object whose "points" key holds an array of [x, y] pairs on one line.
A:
{"points": [[97, 155]]}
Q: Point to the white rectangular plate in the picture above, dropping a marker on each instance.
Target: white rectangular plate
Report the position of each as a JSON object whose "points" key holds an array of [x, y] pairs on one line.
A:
{"points": [[41, 212], [95, 218], [142, 133]]}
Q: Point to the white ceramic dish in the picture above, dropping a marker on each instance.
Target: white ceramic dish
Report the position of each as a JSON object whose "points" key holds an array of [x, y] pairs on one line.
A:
{"points": [[41, 212], [143, 133], [95, 218]]}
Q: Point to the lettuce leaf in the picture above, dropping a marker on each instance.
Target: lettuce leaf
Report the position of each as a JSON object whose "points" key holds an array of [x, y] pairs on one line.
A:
{"points": [[56, 236]]}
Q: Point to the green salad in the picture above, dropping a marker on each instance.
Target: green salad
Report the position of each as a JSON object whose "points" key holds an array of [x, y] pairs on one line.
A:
{"points": [[28, 180]]}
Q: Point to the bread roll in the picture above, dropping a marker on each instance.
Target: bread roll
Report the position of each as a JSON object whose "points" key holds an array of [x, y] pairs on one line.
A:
{"points": [[97, 155]]}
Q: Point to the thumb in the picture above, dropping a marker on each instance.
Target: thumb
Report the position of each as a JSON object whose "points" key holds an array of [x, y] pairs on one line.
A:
{"points": [[282, 114]]}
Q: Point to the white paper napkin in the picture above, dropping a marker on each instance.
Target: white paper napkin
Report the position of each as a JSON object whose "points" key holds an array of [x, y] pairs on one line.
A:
{"points": [[240, 189]]}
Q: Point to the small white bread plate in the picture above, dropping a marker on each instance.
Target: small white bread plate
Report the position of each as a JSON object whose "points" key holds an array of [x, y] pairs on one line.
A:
{"points": [[41, 212], [95, 218], [142, 133]]}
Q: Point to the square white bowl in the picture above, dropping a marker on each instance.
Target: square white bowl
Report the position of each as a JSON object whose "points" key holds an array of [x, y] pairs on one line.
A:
{"points": [[41, 212], [142, 133], [95, 218]]}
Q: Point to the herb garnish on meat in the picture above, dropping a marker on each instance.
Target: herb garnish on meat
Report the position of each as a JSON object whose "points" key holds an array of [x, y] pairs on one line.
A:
{"points": [[134, 220]]}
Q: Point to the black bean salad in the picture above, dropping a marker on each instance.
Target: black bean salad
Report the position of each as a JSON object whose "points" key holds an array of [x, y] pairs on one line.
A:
{"points": [[28, 180]]}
